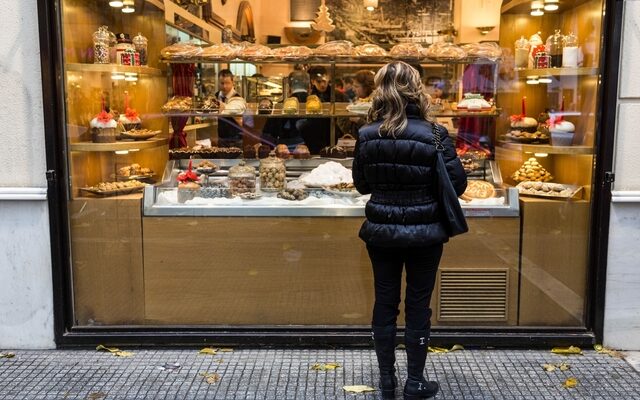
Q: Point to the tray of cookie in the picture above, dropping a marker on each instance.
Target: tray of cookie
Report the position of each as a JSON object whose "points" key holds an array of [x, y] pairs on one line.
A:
{"points": [[549, 190], [105, 189]]}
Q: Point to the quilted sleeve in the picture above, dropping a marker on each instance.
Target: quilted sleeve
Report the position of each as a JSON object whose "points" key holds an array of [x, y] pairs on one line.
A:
{"points": [[454, 166]]}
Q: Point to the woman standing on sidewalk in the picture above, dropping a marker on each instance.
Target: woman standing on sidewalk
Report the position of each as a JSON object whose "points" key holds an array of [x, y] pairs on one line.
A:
{"points": [[395, 157]]}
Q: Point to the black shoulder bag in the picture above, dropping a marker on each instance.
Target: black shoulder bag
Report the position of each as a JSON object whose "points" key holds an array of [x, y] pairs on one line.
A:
{"points": [[453, 216]]}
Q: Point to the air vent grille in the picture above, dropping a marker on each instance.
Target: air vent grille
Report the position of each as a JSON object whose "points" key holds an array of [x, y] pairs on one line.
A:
{"points": [[473, 295]]}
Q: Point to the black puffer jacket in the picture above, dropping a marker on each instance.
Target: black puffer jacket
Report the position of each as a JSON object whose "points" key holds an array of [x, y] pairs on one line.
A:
{"points": [[399, 173]]}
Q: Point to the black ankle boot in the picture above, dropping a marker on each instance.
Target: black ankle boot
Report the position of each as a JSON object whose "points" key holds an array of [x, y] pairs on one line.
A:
{"points": [[384, 340], [417, 387]]}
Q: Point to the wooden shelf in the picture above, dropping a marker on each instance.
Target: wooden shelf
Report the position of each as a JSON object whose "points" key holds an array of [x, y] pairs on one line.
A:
{"points": [[119, 145], [277, 113], [582, 71], [110, 68], [351, 61], [547, 148], [524, 6]]}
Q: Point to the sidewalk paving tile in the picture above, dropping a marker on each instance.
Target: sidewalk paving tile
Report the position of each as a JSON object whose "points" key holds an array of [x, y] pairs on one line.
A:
{"points": [[285, 374]]}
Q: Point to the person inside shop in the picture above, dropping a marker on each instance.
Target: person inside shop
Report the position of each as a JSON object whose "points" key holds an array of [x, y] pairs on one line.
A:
{"points": [[363, 86], [349, 92], [320, 85], [286, 130], [394, 161], [229, 128], [316, 132]]}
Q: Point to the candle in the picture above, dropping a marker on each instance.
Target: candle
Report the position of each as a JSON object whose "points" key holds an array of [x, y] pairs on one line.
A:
{"points": [[523, 106], [460, 90]]}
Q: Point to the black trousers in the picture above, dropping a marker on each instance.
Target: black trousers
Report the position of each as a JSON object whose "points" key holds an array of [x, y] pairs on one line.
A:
{"points": [[421, 268]]}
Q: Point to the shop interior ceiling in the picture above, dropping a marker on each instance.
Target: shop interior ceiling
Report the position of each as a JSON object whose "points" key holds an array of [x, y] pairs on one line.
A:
{"points": [[383, 22]]}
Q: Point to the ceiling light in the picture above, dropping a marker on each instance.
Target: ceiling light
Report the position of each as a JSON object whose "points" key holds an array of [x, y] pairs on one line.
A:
{"points": [[540, 154], [370, 5], [537, 12], [128, 6], [545, 79], [121, 152], [116, 3], [131, 78], [116, 76], [534, 4], [532, 81], [551, 7], [551, 1]]}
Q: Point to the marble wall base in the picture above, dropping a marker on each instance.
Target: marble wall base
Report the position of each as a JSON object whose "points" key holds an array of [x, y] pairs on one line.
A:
{"points": [[26, 291], [622, 303]]}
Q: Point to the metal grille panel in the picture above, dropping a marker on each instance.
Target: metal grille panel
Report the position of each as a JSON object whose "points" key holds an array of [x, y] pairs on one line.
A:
{"points": [[473, 295]]}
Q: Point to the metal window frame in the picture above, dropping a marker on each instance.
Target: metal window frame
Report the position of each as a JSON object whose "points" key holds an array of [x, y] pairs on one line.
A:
{"points": [[66, 335]]}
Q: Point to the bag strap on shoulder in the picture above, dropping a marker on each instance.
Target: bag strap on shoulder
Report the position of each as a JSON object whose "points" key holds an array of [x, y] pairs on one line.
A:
{"points": [[437, 138]]}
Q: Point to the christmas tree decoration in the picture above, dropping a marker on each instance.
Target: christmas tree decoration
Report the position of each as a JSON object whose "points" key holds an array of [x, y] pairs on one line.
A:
{"points": [[323, 22]]}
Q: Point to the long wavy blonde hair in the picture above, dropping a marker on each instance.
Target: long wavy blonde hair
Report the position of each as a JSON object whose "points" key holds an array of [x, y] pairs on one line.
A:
{"points": [[397, 84]]}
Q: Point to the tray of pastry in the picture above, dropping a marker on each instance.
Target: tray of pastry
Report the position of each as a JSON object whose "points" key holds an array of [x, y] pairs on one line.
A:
{"points": [[548, 190], [478, 189], [139, 134], [134, 172], [105, 189]]}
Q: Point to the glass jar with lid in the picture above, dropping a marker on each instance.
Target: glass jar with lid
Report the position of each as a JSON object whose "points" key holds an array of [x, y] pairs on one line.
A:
{"points": [[101, 46], [272, 173], [554, 49], [140, 43], [124, 50], [522, 48], [242, 179], [570, 51]]}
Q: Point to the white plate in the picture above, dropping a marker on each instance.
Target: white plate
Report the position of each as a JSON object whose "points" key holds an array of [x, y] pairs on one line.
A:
{"points": [[342, 193]]}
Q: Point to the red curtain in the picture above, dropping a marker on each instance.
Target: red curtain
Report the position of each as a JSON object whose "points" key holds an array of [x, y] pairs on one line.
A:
{"points": [[183, 77]]}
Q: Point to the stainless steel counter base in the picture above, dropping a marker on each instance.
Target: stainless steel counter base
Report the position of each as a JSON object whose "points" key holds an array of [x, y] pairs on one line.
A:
{"points": [[151, 208]]}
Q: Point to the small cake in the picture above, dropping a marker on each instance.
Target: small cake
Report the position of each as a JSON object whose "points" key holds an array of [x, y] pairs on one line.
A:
{"points": [[130, 120], [301, 152], [562, 133], [333, 152], [314, 105], [474, 102], [265, 106], [264, 150], [103, 128], [188, 184], [249, 151], [290, 106], [526, 124], [282, 151]]}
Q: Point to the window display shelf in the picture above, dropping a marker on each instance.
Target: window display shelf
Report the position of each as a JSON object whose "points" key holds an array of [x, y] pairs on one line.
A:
{"points": [[114, 68], [351, 61], [119, 145], [582, 71], [277, 113], [547, 148]]}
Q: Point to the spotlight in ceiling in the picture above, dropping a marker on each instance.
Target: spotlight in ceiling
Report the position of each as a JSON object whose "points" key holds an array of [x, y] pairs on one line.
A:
{"points": [[116, 3]]}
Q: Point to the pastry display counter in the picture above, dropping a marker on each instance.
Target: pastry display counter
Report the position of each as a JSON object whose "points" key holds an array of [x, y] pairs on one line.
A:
{"points": [[162, 199]]}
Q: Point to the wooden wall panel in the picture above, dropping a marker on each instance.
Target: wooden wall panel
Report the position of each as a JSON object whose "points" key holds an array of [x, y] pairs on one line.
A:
{"points": [[106, 245], [555, 240]]}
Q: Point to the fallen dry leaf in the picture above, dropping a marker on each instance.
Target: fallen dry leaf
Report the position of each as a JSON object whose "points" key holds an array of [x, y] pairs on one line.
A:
{"points": [[552, 367], [115, 351], [603, 350], [570, 383], [325, 366], [210, 378], [549, 367], [567, 350], [7, 355], [209, 351], [455, 347], [358, 389]]}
